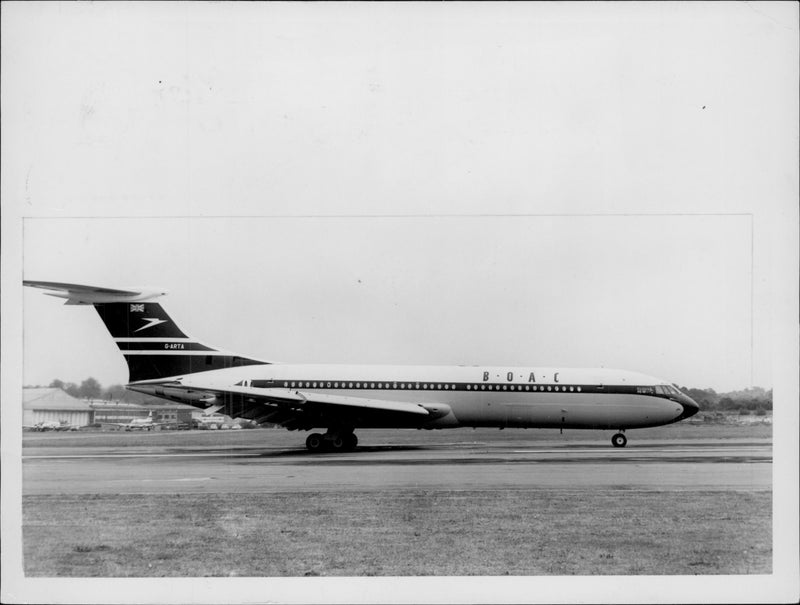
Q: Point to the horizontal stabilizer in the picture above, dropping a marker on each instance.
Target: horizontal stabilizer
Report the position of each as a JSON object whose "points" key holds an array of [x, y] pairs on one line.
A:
{"points": [[77, 294]]}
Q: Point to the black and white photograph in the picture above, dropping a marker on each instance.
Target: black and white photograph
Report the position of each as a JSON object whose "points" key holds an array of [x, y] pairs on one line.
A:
{"points": [[400, 302]]}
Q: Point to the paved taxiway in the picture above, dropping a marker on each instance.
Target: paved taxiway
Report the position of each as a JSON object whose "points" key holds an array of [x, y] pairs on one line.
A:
{"points": [[744, 464]]}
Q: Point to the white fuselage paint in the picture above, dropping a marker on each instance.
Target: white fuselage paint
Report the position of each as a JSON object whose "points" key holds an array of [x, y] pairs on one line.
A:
{"points": [[532, 397]]}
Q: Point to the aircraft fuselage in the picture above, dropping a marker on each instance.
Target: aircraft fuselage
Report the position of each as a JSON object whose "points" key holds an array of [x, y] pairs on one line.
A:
{"points": [[466, 396]]}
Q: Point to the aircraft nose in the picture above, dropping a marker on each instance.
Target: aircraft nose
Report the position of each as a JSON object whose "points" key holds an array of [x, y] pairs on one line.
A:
{"points": [[690, 408]]}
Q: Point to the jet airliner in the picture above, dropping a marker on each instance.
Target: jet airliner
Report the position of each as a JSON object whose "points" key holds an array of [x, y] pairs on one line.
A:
{"points": [[163, 361], [143, 424]]}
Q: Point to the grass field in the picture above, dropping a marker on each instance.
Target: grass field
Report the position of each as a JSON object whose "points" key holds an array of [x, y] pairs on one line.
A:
{"points": [[505, 532]]}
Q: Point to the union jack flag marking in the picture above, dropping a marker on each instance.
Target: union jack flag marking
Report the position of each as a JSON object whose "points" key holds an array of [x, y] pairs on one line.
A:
{"points": [[137, 308]]}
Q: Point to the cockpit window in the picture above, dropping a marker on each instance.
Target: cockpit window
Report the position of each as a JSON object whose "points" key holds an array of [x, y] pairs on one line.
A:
{"points": [[660, 390]]}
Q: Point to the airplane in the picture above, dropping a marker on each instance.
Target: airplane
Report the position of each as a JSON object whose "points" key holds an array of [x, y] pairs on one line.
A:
{"points": [[163, 361], [61, 425], [144, 424], [211, 420]]}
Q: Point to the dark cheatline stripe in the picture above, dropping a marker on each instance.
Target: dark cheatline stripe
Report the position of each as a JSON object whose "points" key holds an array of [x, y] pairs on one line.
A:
{"points": [[159, 345], [391, 385]]}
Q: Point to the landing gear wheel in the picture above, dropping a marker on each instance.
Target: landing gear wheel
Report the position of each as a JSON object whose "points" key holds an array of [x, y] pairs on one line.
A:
{"points": [[314, 442], [338, 443], [619, 440], [351, 441]]}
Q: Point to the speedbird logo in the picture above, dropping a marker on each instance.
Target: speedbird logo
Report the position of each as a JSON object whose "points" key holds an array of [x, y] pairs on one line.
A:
{"points": [[152, 321]]}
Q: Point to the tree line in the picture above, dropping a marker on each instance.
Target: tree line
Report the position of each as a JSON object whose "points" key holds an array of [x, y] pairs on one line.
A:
{"points": [[752, 399], [92, 389]]}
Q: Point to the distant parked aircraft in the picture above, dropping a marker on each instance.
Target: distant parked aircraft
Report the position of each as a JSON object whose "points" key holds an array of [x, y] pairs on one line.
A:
{"points": [[61, 425], [165, 362], [211, 421], [137, 424]]}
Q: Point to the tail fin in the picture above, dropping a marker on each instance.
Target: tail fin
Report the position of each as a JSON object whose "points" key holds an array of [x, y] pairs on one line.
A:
{"points": [[153, 345]]}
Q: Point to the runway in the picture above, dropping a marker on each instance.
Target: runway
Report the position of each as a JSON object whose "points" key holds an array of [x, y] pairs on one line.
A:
{"points": [[675, 465]]}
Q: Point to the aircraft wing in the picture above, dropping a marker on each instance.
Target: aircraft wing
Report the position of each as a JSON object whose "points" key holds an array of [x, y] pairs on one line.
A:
{"points": [[298, 409], [300, 397]]}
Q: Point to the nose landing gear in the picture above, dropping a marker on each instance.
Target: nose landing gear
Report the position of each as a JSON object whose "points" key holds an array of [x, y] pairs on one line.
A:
{"points": [[619, 440]]}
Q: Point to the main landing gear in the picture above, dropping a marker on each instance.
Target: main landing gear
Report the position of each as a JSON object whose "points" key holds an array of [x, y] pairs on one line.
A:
{"points": [[619, 440], [334, 442]]}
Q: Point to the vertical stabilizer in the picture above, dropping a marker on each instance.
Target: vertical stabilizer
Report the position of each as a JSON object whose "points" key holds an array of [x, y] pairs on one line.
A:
{"points": [[151, 342]]}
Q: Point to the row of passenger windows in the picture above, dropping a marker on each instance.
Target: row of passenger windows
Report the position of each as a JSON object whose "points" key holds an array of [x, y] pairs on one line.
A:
{"points": [[427, 385]]}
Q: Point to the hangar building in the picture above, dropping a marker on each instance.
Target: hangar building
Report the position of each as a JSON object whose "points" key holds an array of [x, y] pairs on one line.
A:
{"points": [[171, 415], [54, 405]]}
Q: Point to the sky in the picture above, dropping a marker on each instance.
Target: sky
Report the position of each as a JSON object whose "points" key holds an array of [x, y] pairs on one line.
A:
{"points": [[664, 295], [562, 184]]}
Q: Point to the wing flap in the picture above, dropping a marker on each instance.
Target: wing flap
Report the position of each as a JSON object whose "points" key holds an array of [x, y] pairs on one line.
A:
{"points": [[305, 397], [300, 398]]}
